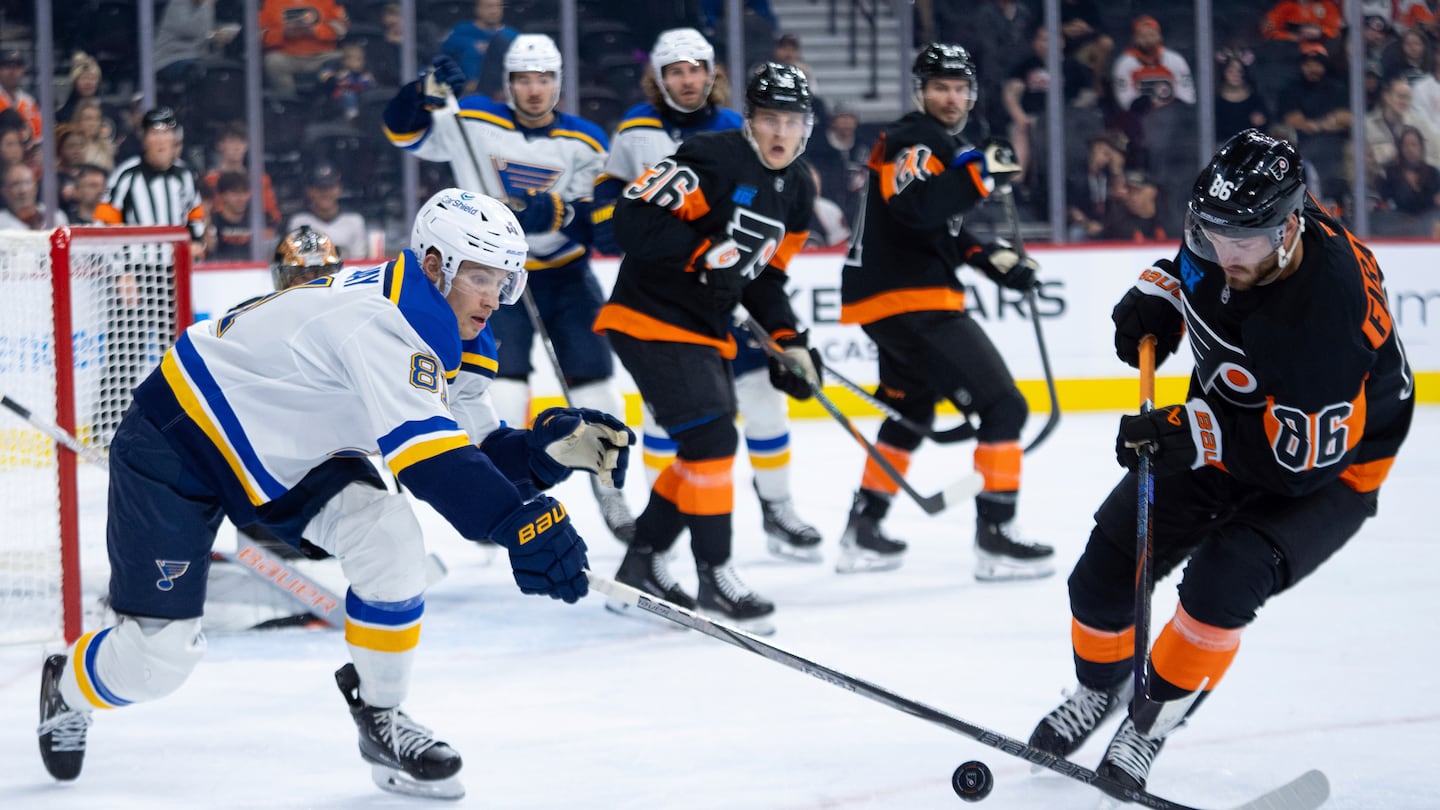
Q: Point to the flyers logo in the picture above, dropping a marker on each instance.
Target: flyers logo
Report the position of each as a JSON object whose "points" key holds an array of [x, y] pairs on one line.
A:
{"points": [[1173, 417], [1222, 367], [670, 185], [756, 239]]}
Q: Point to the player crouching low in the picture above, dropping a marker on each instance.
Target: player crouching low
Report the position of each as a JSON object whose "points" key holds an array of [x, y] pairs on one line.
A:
{"points": [[224, 428]]}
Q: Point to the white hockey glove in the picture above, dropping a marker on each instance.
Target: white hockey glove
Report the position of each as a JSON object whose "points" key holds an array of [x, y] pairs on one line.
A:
{"points": [[564, 439]]}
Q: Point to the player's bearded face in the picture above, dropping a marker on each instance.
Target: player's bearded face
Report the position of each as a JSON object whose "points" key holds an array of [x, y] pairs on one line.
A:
{"points": [[475, 295], [947, 100], [778, 136], [685, 82], [534, 93], [1248, 262]]}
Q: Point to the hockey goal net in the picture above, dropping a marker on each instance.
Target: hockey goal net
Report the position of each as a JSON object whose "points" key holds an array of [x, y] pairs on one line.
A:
{"points": [[84, 314]]}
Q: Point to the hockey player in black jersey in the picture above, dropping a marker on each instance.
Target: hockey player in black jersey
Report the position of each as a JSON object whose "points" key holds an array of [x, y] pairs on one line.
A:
{"points": [[899, 284], [710, 227], [1299, 401]]}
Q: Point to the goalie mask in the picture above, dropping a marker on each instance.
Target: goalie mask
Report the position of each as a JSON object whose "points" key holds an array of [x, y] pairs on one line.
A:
{"points": [[464, 226], [778, 114], [1242, 201], [683, 45], [303, 255], [532, 53]]}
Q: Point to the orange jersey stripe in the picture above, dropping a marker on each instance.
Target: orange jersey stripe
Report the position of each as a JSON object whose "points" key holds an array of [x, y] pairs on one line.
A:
{"points": [[911, 163], [1190, 652], [789, 246], [636, 324], [999, 463], [898, 302], [1101, 646], [1367, 477], [875, 479], [699, 487]]}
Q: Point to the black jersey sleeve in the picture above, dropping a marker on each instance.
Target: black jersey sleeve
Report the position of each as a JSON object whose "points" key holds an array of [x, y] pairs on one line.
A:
{"points": [[922, 192]]}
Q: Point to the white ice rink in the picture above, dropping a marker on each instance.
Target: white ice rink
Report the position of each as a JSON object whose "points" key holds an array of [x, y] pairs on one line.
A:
{"points": [[557, 706]]}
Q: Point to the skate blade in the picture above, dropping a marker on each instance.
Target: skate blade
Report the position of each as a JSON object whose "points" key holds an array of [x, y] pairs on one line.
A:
{"points": [[397, 781], [864, 562], [787, 551], [996, 568]]}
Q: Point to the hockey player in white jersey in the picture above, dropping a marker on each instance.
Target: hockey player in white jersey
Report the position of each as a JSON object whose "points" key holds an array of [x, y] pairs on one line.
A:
{"points": [[543, 164], [687, 95], [242, 409]]}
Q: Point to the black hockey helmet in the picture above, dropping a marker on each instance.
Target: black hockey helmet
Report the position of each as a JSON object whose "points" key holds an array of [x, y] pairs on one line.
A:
{"points": [[774, 86], [302, 255], [1249, 189]]}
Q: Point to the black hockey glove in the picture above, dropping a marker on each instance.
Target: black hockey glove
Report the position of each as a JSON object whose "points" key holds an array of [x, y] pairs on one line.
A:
{"points": [[799, 369], [540, 211], [547, 556], [443, 78], [565, 439], [1005, 266], [1178, 438], [717, 269], [1151, 307], [995, 157]]}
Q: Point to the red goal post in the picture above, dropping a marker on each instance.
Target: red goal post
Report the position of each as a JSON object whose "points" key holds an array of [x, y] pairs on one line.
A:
{"points": [[85, 313]]}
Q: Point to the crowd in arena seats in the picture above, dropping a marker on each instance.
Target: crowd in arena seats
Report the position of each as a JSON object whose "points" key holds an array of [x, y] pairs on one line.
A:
{"points": [[1129, 97]]}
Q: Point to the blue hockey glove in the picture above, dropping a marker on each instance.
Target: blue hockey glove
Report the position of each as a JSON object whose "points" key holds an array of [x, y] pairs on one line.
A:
{"points": [[1178, 437], [1151, 307], [565, 439], [540, 211], [444, 77], [996, 159], [602, 228], [547, 556], [1005, 266], [798, 357]]}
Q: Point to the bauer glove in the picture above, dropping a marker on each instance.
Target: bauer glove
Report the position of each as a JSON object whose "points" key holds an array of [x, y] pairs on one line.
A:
{"points": [[1151, 307], [799, 369], [540, 211], [547, 556], [716, 265], [1177, 437], [442, 79], [995, 157], [565, 439], [1005, 266]]}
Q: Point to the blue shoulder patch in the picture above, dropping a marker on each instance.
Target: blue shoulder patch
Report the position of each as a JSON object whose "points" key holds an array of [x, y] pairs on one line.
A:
{"points": [[744, 195], [1189, 273], [424, 308]]}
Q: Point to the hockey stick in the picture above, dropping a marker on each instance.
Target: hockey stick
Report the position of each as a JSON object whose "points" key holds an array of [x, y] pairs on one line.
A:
{"points": [[1031, 298], [932, 504], [1144, 536], [959, 433], [61, 436], [1306, 792]]}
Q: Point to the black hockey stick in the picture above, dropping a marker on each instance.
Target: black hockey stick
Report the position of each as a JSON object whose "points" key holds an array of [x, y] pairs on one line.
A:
{"points": [[1008, 200], [932, 504], [959, 433], [1144, 537], [1306, 792]]}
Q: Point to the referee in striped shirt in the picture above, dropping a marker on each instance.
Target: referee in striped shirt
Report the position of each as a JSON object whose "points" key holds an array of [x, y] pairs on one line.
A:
{"points": [[154, 188]]}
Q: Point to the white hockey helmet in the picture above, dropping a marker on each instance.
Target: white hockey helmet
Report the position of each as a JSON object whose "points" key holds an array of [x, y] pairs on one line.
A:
{"points": [[682, 45], [532, 53], [464, 226]]}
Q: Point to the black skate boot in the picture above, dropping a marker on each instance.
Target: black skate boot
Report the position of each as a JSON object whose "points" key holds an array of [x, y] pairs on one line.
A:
{"points": [[615, 511], [999, 556], [649, 571], [1129, 757], [863, 547], [62, 729], [404, 756], [787, 535], [1069, 725], [725, 596]]}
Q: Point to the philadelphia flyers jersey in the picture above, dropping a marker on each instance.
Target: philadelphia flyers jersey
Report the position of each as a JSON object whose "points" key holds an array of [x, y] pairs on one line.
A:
{"points": [[909, 239], [712, 189], [1306, 375]]}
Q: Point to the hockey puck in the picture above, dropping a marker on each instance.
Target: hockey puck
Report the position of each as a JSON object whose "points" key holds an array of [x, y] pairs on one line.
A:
{"points": [[972, 781]]}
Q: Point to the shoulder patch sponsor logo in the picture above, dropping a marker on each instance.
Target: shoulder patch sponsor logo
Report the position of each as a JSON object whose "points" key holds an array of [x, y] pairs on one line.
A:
{"points": [[170, 570], [1189, 273]]}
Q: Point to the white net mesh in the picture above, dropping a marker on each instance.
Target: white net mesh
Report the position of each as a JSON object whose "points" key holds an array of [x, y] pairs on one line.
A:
{"points": [[123, 317]]}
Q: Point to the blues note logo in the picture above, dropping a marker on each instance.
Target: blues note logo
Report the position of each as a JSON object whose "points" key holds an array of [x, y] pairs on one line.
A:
{"points": [[170, 570]]}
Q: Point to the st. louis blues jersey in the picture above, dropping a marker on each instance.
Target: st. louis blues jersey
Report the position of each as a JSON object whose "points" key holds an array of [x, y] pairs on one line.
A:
{"points": [[493, 154]]}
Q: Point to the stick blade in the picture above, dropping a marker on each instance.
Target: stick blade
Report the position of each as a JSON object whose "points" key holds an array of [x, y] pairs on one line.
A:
{"points": [[1307, 791]]}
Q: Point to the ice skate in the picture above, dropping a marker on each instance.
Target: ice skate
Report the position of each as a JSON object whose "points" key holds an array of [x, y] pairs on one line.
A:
{"points": [[725, 597], [62, 729], [999, 556], [1069, 725], [863, 547], [404, 756], [615, 511], [787, 535], [649, 571], [1129, 757]]}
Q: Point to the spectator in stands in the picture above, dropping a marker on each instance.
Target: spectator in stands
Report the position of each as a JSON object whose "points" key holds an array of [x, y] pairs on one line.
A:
{"points": [[1383, 125], [1415, 14], [473, 43], [232, 144], [828, 226], [90, 122], [1094, 198], [84, 83], [187, 34], [1238, 106], [14, 138], [1379, 36], [713, 11], [1317, 107], [126, 128], [299, 37], [1086, 38], [12, 74], [322, 212], [1410, 185], [1410, 59], [1024, 94], [1138, 217], [787, 52], [382, 53], [346, 80], [229, 237], [1302, 21], [1002, 31], [840, 159], [89, 191], [20, 192], [69, 152], [1150, 73], [1425, 100]]}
